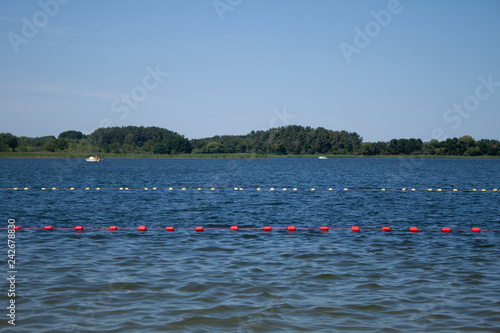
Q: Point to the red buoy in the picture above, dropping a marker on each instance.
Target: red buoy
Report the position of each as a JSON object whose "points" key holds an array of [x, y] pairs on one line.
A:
{"points": [[267, 229], [413, 229], [199, 229], [170, 229], [355, 228], [324, 229], [386, 229], [445, 229], [476, 229], [291, 228], [49, 227], [141, 228], [234, 227], [78, 228], [113, 228]]}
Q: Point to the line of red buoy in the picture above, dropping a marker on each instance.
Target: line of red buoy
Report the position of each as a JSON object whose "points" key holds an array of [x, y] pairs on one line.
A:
{"points": [[265, 229]]}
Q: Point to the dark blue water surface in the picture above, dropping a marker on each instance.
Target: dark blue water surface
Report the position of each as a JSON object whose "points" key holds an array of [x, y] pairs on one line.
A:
{"points": [[250, 281]]}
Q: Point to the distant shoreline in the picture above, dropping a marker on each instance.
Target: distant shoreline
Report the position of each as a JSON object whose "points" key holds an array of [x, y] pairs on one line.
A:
{"points": [[285, 141], [223, 156]]}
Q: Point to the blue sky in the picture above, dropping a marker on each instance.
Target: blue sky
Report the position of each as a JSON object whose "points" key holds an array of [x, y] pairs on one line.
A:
{"points": [[384, 69]]}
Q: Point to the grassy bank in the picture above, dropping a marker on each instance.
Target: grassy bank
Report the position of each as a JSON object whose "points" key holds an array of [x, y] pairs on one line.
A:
{"points": [[205, 156]]}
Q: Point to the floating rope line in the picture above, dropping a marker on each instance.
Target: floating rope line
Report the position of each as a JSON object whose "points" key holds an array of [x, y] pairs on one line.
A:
{"points": [[234, 228], [258, 189]]}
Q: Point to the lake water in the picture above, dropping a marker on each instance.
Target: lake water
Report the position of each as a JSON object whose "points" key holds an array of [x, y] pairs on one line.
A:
{"points": [[249, 280]]}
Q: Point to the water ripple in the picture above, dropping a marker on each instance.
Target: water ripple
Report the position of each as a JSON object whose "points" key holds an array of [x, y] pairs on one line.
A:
{"points": [[251, 281]]}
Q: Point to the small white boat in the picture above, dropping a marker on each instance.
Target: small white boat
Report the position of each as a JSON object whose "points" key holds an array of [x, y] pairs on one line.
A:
{"points": [[323, 157], [93, 159]]}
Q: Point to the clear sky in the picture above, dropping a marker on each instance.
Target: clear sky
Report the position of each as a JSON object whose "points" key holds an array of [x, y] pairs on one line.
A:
{"points": [[384, 69]]}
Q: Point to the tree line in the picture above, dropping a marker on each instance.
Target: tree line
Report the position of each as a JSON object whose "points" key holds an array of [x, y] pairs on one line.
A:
{"points": [[289, 140]]}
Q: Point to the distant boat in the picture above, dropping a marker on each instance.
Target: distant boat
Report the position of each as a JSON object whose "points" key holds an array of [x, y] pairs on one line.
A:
{"points": [[323, 157], [93, 159]]}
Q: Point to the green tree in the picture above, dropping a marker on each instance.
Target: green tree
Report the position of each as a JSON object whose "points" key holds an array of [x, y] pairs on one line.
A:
{"points": [[393, 147], [473, 151], [368, 148], [8, 141], [450, 147], [382, 148], [429, 148], [493, 150], [413, 146], [62, 144], [279, 147], [464, 144], [160, 148], [213, 147], [71, 135], [50, 146]]}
